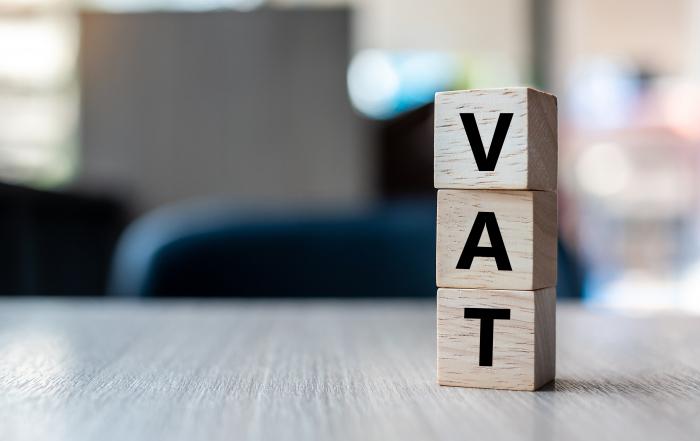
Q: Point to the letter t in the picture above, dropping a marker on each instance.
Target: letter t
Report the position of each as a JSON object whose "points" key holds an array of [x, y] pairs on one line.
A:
{"points": [[487, 316]]}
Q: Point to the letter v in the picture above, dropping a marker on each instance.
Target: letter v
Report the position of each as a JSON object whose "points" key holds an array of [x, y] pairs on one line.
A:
{"points": [[486, 163]]}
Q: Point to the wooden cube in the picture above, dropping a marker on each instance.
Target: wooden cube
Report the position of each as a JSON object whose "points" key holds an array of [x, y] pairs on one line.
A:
{"points": [[496, 339], [496, 239], [496, 139]]}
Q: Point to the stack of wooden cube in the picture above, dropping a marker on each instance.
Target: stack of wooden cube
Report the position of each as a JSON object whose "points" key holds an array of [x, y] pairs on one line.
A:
{"points": [[496, 167]]}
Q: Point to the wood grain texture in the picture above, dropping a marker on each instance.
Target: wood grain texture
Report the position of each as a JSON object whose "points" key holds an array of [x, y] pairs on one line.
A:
{"points": [[78, 370], [529, 157], [545, 335], [518, 363], [543, 141], [528, 224], [544, 242]]}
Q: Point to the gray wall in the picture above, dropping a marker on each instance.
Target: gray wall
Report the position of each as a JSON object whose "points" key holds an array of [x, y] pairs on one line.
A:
{"points": [[254, 105]]}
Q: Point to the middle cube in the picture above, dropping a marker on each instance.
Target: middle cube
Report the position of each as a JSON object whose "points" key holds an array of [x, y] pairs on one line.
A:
{"points": [[496, 239]]}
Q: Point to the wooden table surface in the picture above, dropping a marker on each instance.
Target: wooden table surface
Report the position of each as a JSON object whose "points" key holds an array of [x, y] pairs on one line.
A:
{"points": [[105, 369]]}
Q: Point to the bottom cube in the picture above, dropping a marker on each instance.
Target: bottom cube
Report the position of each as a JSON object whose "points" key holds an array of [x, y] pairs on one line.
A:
{"points": [[496, 339]]}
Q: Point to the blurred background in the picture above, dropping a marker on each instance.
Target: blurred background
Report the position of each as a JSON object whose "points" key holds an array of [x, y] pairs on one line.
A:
{"points": [[284, 147]]}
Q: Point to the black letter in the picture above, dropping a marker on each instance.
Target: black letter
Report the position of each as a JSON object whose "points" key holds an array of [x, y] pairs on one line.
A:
{"points": [[486, 163], [487, 317], [497, 248]]}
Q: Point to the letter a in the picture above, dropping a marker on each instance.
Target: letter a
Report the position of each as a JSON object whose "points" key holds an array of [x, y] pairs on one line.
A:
{"points": [[483, 162], [496, 250]]}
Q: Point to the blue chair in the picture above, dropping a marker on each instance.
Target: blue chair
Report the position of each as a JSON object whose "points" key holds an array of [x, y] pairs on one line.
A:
{"points": [[214, 249]]}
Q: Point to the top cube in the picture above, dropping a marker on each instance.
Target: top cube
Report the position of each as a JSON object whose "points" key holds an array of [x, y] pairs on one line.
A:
{"points": [[502, 139]]}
